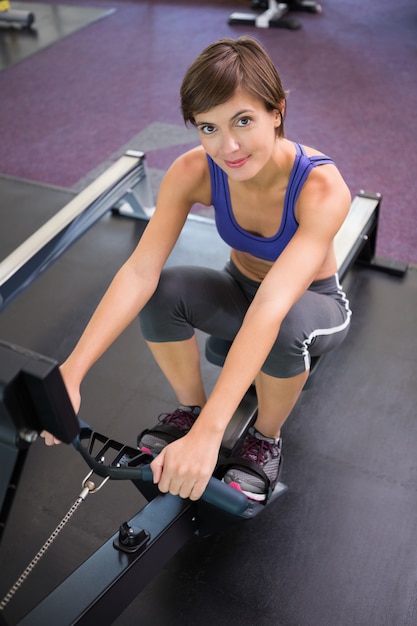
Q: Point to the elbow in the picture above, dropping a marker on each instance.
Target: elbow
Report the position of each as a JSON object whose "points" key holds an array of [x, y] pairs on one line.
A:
{"points": [[265, 315]]}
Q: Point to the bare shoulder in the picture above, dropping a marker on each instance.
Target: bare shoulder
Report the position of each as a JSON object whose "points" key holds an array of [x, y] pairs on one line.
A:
{"points": [[324, 180], [188, 177], [325, 195]]}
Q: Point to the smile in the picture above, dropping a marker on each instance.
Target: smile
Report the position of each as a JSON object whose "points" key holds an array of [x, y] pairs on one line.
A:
{"points": [[237, 163]]}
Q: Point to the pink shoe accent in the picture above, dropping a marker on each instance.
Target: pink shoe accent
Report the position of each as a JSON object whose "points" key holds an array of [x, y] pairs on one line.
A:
{"points": [[146, 450], [235, 486], [250, 496]]}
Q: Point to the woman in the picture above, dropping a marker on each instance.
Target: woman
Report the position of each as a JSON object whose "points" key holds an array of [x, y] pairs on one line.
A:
{"points": [[278, 205]]}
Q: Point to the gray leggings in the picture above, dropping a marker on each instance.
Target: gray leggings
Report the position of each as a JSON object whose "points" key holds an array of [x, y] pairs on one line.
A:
{"points": [[216, 301]]}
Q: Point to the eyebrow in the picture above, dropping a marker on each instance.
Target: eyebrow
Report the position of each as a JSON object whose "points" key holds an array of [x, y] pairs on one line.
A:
{"points": [[236, 115]]}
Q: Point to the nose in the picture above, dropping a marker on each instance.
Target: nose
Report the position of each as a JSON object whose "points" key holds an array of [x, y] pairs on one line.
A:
{"points": [[229, 143]]}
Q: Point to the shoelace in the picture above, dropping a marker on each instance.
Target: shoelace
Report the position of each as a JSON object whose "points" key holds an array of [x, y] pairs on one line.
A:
{"points": [[179, 418], [257, 450]]}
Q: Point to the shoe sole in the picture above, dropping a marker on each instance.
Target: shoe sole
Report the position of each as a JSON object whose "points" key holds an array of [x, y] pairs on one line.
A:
{"points": [[256, 497]]}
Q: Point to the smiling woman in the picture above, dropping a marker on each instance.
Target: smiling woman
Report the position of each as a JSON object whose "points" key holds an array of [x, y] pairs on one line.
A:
{"points": [[278, 205]]}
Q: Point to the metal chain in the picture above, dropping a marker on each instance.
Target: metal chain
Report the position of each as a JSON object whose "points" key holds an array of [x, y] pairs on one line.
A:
{"points": [[88, 487]]}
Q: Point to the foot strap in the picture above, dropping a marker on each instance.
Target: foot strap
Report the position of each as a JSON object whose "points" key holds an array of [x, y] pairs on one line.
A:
{"points": [[167, 432], [240, 463]]}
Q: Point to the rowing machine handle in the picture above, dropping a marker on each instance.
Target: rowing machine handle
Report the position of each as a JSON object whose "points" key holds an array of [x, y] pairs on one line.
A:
{"points": [[216, 493]]}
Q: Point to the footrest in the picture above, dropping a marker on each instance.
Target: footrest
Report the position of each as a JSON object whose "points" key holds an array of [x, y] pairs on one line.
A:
{"points": [[254, 508]]}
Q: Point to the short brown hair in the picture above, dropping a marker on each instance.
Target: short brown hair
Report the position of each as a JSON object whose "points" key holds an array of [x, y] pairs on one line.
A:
{"points": [[225, 66]]}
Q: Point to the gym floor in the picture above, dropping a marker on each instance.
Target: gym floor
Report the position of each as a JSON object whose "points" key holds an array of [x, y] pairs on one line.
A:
{"points": [[337, 549]]}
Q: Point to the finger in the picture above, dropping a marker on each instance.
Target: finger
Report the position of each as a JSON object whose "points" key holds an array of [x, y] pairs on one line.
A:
{"points": [[157, 466], [185, 491], [172, 484], [192, 488], [197, 490], [50, 440]]}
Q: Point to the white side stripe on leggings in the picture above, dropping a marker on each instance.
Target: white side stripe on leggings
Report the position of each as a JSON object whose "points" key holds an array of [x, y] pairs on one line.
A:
{"points": [[327, 331]]}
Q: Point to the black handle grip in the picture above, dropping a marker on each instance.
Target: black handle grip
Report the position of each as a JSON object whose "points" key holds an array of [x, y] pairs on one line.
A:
{"points": [[131, 464], [217, 493]]}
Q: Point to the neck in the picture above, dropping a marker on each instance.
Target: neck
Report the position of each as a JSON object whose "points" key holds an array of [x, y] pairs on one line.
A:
{"points": [[276, 171]]}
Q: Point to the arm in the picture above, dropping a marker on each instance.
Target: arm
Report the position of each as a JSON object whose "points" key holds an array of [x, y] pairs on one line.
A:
{"points": [[135, 282]]}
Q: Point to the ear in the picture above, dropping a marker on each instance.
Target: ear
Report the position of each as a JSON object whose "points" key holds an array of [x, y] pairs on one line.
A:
{"points": [[277, 118], [281, 112]]}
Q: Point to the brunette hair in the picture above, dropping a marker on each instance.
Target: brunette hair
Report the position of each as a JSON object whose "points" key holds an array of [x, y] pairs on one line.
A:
{"points": [[225, 66]]}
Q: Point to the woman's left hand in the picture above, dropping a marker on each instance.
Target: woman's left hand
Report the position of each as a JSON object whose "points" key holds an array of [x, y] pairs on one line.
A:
{"points": [[185, 466]]}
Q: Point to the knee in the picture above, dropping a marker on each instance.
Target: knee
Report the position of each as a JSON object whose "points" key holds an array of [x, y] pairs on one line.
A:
{"points": [[290, 338], [163, 318], [286, 358], [165, 295]]}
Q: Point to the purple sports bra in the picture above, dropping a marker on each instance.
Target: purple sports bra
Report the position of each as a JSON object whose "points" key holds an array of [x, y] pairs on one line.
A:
{"points": [[267, 248]]}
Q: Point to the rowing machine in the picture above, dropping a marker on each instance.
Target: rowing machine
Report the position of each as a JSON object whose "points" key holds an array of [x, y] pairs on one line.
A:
{"points": [[123, 188], [33, 398]]}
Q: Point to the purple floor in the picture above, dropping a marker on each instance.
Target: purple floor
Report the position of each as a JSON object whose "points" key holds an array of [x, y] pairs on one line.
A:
{"points": [[350, 71]]}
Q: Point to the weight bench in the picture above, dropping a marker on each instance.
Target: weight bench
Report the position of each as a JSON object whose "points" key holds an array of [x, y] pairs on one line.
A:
{"points": [[355, 243], [123, 188], [275, 14]]}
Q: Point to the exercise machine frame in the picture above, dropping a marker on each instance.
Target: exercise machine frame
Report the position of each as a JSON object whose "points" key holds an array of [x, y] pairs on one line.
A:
{"points": [[15, 17], [275, 14], [123, 188]]}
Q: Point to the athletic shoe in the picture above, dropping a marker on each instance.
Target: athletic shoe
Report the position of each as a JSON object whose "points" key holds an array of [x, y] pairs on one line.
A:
{"points": [[256, 466], [171, 426]]}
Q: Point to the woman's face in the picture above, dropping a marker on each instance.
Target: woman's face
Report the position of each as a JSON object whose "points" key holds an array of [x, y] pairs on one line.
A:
{"points": [[239, 135]]}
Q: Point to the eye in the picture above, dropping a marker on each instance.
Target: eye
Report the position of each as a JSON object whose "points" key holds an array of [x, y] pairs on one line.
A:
{"points": [[244, 121], [207, 129]]}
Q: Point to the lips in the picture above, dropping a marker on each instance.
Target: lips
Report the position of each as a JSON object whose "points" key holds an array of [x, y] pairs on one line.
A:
{"points": [[237, 162]]}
